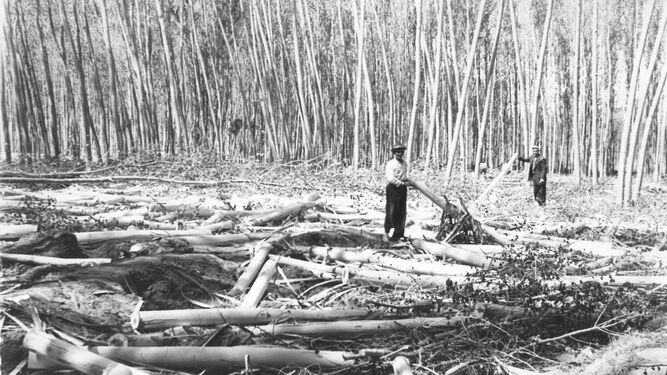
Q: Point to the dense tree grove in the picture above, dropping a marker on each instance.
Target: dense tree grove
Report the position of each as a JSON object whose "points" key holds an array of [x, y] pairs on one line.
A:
{"points": [[461, 82]]}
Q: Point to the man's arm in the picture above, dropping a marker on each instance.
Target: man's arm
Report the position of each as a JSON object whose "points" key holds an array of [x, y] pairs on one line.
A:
{"points": [[390, 174]]}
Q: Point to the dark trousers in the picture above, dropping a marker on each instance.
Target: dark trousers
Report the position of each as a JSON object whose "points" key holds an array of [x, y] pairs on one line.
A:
{"points": [[540, 192], [395, 210]]}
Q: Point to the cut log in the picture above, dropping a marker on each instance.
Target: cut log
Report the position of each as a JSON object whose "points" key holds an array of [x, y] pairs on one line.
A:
{"points": [[256, 292], [365, 276], [226, 239], [74, 357], [440, 202], [445, 250], [255, 265], [42, 260], [344, 218], [6, 205], [398, 264], [292, 209], [401, 366], [357, 328], [219, 358], [95, 180], [127, 235], [596, 248], [12, 232], [154, 320], [219, 226]]}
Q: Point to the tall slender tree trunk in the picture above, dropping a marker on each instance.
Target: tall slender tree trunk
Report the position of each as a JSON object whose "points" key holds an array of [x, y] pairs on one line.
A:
{"points": [[621, 196], [576, 147], [540, 68], [433, 112], [462, 103], [174, 95], [53, 115], [4, 118], [522, 102], [488, 97], [640, 109], [594, 96], [641, 165], [417, 82], [358, 81]]}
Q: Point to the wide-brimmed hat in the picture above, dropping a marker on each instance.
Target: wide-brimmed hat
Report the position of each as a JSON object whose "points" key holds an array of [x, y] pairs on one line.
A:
{"points": [[535, 147], [398, 147]]}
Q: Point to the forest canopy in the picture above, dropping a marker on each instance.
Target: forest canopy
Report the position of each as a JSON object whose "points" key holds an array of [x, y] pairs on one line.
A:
{"points": [[459, 82]]}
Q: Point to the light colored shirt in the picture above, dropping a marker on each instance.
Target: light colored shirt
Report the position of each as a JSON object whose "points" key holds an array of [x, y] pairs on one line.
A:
{"points": [[396, 172]]}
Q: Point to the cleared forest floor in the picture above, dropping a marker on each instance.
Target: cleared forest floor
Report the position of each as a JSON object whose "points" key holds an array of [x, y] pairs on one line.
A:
{"points": [[578, 286]]}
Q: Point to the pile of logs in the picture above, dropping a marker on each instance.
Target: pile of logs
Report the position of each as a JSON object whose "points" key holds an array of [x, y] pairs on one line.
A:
{"points": [[280, 273]]}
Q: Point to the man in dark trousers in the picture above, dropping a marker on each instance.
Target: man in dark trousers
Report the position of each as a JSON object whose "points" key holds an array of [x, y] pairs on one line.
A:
{"points": [[538, 174], [396, 172]]}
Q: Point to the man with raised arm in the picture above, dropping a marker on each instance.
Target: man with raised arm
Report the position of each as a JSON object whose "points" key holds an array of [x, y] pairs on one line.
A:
{"points": [[537, 173]]}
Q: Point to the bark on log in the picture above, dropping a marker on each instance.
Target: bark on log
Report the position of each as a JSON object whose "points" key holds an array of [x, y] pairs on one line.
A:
{"points": [[74, 357], [256, 292], [219, 358], [292, 209], [154, 320], [357, 328], [12, 232]]}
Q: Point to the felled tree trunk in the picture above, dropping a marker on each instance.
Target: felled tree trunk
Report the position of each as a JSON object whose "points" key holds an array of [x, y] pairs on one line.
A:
{"points": [[154, 320], [449, 251], [75, 357], [365, 276], [58, 244], [398, 264], [41, 260], [256, 292], [255, 265], [207, 358], [12, 232], [292, 209], [354, 328]]}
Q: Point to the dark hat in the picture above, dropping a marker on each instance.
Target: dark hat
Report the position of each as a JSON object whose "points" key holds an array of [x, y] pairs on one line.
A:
{"points": [[398, 147]]}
